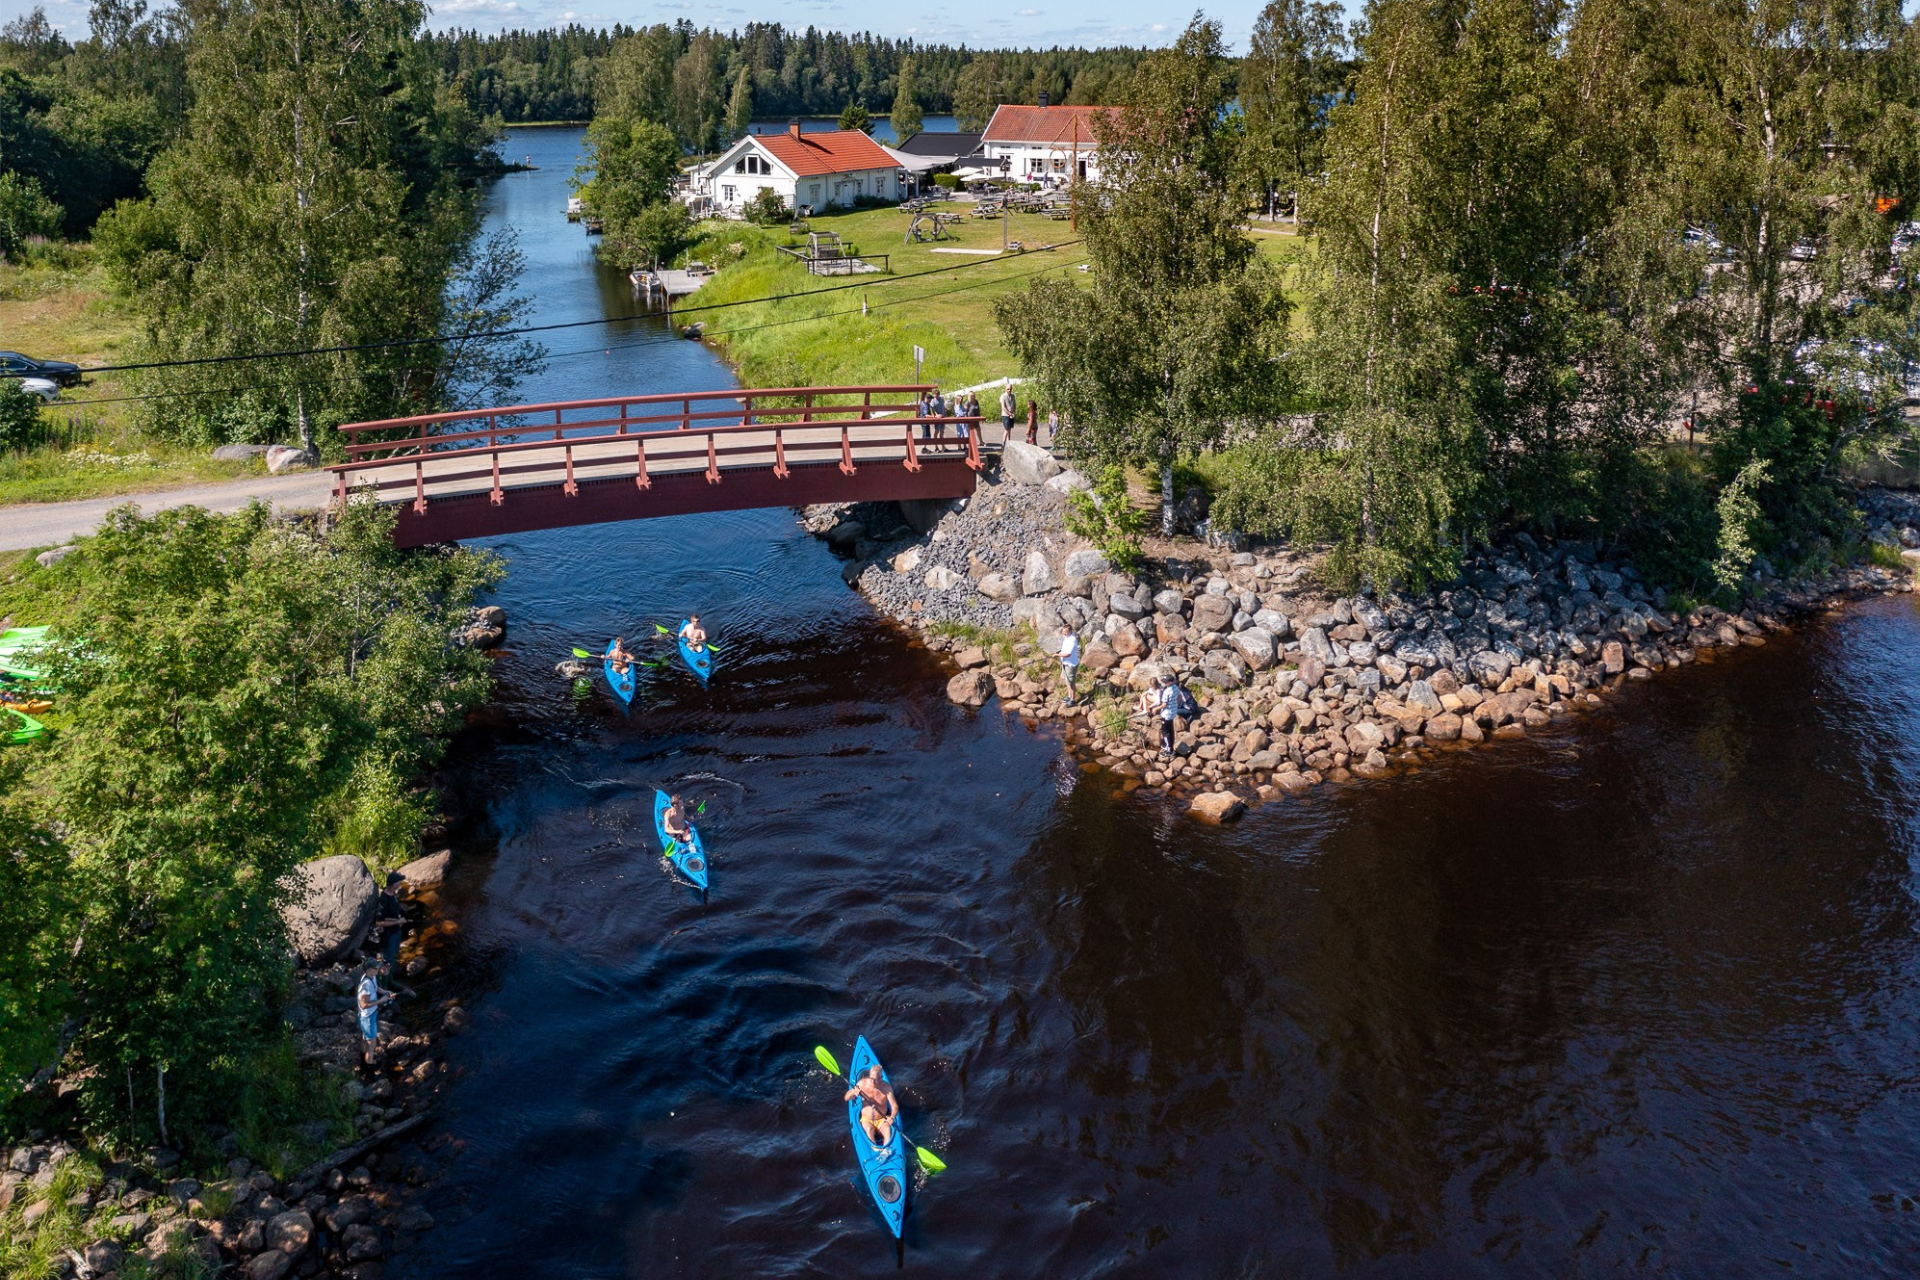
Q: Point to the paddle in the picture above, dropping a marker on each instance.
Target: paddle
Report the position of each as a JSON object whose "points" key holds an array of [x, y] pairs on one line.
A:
{"points": [[638, 662], [932, 1162]]}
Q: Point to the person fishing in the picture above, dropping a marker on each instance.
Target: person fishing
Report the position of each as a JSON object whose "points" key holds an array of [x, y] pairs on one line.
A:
{"points": [[674, 821], [694, 634], [617, 654], [370, 997], [879, 1109], [1069, 660]]}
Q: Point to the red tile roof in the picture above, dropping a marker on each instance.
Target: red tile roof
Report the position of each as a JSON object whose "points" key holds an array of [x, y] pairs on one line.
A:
{"points": [[839, 151], [1044, 125]]}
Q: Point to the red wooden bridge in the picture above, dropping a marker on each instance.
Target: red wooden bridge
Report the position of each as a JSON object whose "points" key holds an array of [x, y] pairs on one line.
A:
{"points": [[481, 472]]}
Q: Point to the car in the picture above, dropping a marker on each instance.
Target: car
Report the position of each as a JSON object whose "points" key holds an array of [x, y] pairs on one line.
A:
{"points": [[45, 388], [15, 365]]}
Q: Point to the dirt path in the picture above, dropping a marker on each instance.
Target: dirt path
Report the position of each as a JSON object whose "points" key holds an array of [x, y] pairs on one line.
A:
{"points": [[49, 524]]}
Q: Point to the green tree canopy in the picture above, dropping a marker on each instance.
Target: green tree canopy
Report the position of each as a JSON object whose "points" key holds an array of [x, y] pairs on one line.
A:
{"points": [[906, 118]]}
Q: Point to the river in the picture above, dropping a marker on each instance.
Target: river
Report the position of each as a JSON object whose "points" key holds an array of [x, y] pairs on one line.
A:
{"points": [[1634, 996]]}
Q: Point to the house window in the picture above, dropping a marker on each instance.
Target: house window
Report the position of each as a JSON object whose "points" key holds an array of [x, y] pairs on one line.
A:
{"points": [[813, 192], [726, 194]]}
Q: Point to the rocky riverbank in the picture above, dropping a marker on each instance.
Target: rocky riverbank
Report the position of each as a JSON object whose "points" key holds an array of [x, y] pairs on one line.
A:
{"points": [[1297, 687]]}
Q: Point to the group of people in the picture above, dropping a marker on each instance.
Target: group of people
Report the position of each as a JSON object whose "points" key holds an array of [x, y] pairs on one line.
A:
{"points": [[965, 405], [1166, 700], [691, 631]]}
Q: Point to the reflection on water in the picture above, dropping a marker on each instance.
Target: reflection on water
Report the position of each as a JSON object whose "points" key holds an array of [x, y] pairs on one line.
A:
{"points": [[1636, 996]]}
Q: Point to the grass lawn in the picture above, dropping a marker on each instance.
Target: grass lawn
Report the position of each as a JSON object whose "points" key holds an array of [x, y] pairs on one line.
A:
{"points": [[826, 340], [69, 312]]}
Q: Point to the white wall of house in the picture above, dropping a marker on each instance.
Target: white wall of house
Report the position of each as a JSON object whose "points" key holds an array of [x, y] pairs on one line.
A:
{"points": [[734, 178], [1046, 163]]}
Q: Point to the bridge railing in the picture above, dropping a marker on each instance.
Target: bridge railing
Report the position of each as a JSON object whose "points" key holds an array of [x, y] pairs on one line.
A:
{"points": [[494, 451]]}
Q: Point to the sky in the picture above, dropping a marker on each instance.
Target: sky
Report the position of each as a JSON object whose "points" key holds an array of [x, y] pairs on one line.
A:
{"points": [[977, 23]]}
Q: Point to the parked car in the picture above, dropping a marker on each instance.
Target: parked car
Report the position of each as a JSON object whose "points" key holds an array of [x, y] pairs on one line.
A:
{"points": [[46, 388], [15, 365]]}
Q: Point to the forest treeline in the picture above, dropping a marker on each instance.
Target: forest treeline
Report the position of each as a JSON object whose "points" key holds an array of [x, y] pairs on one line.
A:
{"points": [[690, 75]]}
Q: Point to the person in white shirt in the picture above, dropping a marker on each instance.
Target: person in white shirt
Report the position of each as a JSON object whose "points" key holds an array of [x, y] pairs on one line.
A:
{"points": [[1006, 409], [1069, 660]]}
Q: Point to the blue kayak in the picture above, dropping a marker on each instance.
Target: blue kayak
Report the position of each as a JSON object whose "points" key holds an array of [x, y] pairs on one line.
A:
{"points": [[700, 662], [690, 859], [621, 684], [884, 1168]]}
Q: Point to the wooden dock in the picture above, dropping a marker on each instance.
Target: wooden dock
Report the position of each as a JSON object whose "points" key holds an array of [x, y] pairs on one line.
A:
{"points": [[667, 284]]}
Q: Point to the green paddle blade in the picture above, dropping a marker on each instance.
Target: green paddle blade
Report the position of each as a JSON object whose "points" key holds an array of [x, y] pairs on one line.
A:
{"points": [[702, 808], [582, 653], [826, 1059], [932, 1162], [662, 630]]}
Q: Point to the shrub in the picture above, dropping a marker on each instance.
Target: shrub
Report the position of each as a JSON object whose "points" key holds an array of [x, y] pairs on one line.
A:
{"points": [[766, 208], [946, 181], [25, 213], [1739, 517], [1106, 517], [20, 425]]}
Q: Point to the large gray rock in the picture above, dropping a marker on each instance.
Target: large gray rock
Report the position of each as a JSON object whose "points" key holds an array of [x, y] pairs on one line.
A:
{"points": [[941, 578], [1126, 607], [1069, 481], [1040, 614], [1225, 668], [1086, 562], [1168, 601], [1256, 645], [430, 870], [1025, 463], [970, 688], [1212, 613], [1489, 666], [1314, 644], [282, 458], [997, 586], [330, 906], [48, 559], [1273, 621], [239, 452], [1421, 696], [1038, 577], [290, 1232]]}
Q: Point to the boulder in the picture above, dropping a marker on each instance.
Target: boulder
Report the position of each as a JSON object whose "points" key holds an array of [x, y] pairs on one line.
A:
{"points": [[1039, 614], [1274, 621], [1444, 682], [103, 1256], [997, 586], [1128, 642], [283, 458], [1168, 601], [290, 1232], [1256, 645], [270, 1265], [430, 870], [1444, 727], [1069, 481], [1038, 577], [1422, 697], [1086, 562], [1490, 666], [907, 561], [1311, 672], [1212, 613], [1613, 657], [236, 453], [48, 559], [1024, 463], [1314, 644], [1126, 607], [970, 688], [941, 578], [1225, 668], [329, 908], [846, 535], [1217, 806], [970, 657]]}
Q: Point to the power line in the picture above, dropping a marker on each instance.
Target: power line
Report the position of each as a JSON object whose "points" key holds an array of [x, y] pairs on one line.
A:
{"points": [[639, 342], [389, 343]]}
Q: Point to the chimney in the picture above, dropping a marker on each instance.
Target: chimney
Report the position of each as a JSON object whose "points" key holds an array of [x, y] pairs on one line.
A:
{"points": [[1043, 97], [793, 127]]}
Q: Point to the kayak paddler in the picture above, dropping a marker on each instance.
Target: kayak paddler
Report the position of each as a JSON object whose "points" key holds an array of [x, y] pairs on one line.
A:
{"points": [[878, 1107], [675, 822], [695, 636], [617, 654]]}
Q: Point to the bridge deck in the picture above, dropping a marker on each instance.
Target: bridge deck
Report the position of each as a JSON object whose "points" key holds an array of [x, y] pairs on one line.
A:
{"points": [[495, 471]]}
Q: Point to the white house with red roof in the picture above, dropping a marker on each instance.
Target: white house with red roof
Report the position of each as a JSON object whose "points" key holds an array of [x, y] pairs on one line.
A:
{"points": [[832, 169], [1053, 146]]}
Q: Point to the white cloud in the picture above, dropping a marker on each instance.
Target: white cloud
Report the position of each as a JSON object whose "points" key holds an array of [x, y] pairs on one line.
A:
{"points": [[1158, 26], [478, 6], [1027, 13]]}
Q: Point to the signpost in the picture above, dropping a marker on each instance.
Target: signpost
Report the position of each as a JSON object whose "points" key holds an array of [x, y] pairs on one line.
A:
{"points": [[919, 358]]}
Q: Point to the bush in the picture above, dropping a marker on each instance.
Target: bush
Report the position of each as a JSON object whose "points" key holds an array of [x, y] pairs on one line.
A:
{"points": [[20, 426], [25, 213], [946, 182], [766, 208], [1107, 518]]}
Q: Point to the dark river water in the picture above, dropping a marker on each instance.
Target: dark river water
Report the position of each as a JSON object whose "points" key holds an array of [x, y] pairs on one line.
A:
{"points": [[1638, 996]]}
